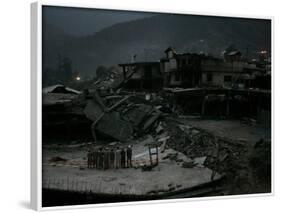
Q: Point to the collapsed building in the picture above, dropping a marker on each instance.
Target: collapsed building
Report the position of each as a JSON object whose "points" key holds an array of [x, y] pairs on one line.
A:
{"points": [[107, 116], [120, 117]]}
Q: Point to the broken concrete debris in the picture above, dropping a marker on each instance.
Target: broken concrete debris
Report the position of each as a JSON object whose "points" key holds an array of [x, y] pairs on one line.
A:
{"points": [[93, 110], [159, 128], [151, 120], [206, 149], [136, 113], [188, 164], [147, 168], [60, 89], [199, 162], [112, 125], [120, 120]]}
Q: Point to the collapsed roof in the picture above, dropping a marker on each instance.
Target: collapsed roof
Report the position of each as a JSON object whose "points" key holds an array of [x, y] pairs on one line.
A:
{"points": [[59, 88]]}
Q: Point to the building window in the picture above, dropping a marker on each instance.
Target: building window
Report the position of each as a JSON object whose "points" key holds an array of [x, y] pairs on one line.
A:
{"points": [[209, 77], [177, 76], [173, 64], [147, 72], [170, 54], [227, 78]]}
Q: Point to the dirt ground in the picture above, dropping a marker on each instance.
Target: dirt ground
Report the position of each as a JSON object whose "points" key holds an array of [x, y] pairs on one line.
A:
{"points": [[234, 129], [70, 172]]}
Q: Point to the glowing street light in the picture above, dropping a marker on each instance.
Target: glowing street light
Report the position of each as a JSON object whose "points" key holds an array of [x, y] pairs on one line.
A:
{"points": [[78, 78]]}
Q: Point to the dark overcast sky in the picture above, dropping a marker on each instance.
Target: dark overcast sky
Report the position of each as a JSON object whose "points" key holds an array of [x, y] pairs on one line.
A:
{"points": [[81, 21]]}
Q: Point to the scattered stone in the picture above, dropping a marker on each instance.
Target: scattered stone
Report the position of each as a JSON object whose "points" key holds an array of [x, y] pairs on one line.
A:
{"points": [[172, 188], [171, 156], [185, 128], [179, 160], [195, 132], [159, 128], [188, 165], [151, 120], [112, 125], [178, 185], [199, 162], [147, 168]]}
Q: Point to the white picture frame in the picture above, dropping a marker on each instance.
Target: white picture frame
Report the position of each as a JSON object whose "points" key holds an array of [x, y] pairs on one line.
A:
{"points": [[36, 101]]}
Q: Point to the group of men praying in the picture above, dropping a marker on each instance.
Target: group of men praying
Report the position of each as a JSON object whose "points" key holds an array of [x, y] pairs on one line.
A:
{"points": [[110, 158]]}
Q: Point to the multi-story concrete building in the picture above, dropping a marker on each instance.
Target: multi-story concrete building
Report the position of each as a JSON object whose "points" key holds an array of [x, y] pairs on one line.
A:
{"points": [[220, 72]]}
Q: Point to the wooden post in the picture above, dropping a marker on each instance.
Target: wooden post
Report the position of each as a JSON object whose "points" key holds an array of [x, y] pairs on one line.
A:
{"points": [[157, 154], [203, 105], [150, 157], [153, 153], [227, 104], [124, 72]]}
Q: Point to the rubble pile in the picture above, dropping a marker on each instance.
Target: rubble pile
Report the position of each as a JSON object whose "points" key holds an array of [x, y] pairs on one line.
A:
{"points": [[219, 154]]}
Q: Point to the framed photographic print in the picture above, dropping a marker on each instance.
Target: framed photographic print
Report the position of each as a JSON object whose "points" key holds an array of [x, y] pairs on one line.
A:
{"points": [[131, 105]]}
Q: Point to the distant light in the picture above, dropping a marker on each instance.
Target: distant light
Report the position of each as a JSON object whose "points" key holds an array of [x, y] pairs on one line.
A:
{"points": [[78, 78], [263, 52]]}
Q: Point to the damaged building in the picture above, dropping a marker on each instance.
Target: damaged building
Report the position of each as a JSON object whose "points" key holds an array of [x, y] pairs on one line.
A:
{"points": [[223, 72], [181, 70], [142, 75], [62, 114]]}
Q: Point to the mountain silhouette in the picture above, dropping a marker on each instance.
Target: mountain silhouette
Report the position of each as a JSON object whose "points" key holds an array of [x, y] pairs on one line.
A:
{"points": [[149, 37]]}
